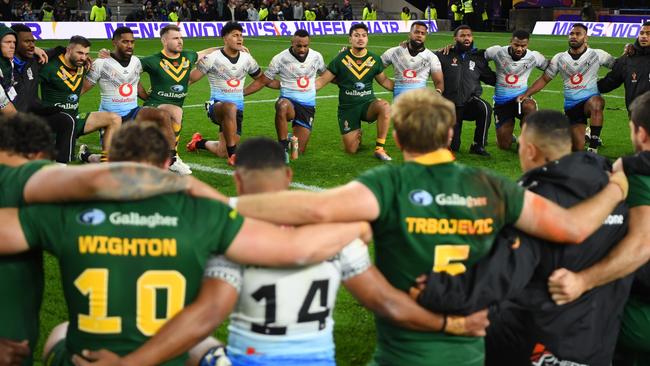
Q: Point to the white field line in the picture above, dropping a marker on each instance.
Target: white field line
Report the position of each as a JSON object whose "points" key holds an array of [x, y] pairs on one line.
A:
{"points": [[209, 169]]}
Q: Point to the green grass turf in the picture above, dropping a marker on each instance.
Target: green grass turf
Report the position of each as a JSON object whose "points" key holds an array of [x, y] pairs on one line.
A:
{"points": [[325, 164]]}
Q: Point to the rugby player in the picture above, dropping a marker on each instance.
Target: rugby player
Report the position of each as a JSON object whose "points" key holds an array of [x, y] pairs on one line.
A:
{"points": [[118, 261], [578, 68], [169, 72], [297, 68], [283, 316], [354, 69], [414, 63], [61, 81], [432, 212], [632, 252], [226, 69], [513, 66]]}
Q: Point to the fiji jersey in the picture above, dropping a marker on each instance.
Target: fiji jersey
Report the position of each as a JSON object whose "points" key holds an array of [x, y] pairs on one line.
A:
{"points": [[226, 75], [170, 77], [354, 76], [118, 85], [61, 85], [512, 76], [580, 75], [411, 72], [437, 215], [284, 316], [297, 78], [128, 267]]}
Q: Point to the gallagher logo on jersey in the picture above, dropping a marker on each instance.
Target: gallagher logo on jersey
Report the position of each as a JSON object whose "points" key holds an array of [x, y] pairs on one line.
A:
{"points": [[420, 197], [92, 216], [73, 98], [177, 88]]}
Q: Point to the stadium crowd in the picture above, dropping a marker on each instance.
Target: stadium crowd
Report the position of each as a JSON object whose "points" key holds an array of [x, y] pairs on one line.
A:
{"points": [[559, 257]]}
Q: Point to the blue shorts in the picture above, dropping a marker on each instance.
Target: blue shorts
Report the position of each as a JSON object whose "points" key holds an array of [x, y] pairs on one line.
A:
{"points": [[209, 107], [131, 115], [297, 360], [304, 114]]}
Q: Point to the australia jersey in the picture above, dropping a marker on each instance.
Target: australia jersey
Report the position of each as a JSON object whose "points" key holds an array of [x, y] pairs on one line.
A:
{"points": [[170, 77], [61, 85], [227, 75], [118, 84], [411, 72], [437, 215], [128, 267], [580, 75], [297, 78], [512, 76], [354, 76], [284, 316], [22, 274]]}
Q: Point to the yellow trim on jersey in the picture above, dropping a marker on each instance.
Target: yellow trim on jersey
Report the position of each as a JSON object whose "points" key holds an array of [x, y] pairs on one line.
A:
{"points": [[175, 72], [72, 81], [166, 55], [358, 70], [439, 156]]}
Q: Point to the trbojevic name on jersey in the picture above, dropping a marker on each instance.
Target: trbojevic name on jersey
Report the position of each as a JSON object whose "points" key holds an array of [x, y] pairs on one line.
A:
{"points": [[580, 76], [297, 79], [286, 314], [118, 85], [512, 76], [411, 72], [226, 75]]}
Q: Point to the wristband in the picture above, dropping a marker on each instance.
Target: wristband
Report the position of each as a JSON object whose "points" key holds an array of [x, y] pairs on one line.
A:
{"points": [[439, 91], [232, 202]]}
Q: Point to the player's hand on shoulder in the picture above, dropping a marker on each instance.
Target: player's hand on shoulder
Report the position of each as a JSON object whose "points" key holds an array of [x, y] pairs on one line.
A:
{"points": [[404, 44], [104, 53], [41, 54], [473, 325], [445, 50], [343, 49], [102, 357], [245, 49], [13, 353], [565, 286], [629, 50]]}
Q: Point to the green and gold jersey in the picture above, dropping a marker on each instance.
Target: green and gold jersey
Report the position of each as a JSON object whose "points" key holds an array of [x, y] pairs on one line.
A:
{"points": [[170, 77], [21, 287], [128, 267], [354, 76], [639, 194], [61, 85], [437, 215]]}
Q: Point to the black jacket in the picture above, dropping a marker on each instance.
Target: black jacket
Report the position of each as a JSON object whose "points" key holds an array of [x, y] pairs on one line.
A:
{"points": [[633, 71], [26, 84], [581, 331], [463, 73]]}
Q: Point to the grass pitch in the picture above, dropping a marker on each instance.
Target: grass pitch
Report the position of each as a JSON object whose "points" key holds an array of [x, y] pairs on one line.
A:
{"points": [[325, 164]]}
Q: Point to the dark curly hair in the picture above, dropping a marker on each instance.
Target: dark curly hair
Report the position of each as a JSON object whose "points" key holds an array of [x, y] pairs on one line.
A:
{"points": [[26, 135]]}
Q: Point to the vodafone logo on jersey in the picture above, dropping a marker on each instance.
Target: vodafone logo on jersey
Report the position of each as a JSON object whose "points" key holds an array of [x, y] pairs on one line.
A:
{"points": [[125, 90], [302, 82], [511, 78], [233, 83], [576, 79], [409, 73]]}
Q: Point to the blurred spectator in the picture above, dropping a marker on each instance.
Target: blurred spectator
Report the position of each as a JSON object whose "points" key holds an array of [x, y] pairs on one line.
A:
{"points": [[173, 4], [335, 13], [406, 13], [369, 12], [322, 12], [5, 9], [230, 11], [203, 13], [253, 14], [98, 12], [47, 13], [347, 10], [434, 12], [310, 15], [587, 12], [298, 10], [173, 15], [160, 12], [25, 12], [264, 12], [109, 11], [184, 13], [61, 12], [242, 13], [273, 15]]}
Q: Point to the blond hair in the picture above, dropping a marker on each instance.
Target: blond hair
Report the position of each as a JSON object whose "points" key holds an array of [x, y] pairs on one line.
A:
{"points": [[422, 119]]}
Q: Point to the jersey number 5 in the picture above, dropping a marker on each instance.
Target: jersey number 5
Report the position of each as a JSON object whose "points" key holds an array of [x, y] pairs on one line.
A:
{"points": [[445, 254], [93, 282]]}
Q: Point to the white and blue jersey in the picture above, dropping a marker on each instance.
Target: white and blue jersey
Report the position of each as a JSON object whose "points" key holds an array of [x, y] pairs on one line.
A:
{"points": [[512, 76], [580, 75], [297, 78], [411, 72], [118, 85], [226, 75], [284, 315]]}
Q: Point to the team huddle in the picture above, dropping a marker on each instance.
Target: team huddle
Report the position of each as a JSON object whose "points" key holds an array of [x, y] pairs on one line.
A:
{"points": [[153, 261]]}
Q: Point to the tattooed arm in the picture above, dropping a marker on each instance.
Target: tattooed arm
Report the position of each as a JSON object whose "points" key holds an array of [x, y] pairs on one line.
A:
{"points": [[111, 181]]}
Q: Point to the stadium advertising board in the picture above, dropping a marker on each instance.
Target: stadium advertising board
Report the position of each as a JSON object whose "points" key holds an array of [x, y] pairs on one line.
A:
{"points": [[598, 29], [97, 30]]}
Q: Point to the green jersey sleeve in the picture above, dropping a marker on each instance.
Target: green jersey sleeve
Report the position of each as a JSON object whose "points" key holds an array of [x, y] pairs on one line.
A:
{"points": [[224, 225], [11, 194], [639, 190], [41, 224], [512, 196], [333, 66], [148, 63], [380, 181]]}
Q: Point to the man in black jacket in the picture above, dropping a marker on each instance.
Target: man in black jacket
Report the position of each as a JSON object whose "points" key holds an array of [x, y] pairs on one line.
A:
{"points": [[464, 67], [530, 327], [26, 69], [631, 70]]}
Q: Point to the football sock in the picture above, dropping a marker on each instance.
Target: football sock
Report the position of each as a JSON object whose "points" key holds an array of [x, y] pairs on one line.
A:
{"points": [[177, 132], [201, 144], [595, 131], [84, 157], [285, 144], [231, 150], [103, 157], [379, 144]]}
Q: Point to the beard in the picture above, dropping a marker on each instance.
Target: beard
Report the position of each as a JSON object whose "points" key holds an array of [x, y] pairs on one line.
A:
{"points": [[576, 45], [462, 48], [416, 45]]}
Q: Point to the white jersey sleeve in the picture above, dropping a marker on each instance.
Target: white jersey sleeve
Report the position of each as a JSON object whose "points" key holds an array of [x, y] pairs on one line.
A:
{"points": [[274, 68], [387, 56], [322, 67], [605, 59], [220, 267], [540, 61], [553, 67], [95, 70], [491, 52], [435, 63], [252, 68], [355, 259], [205, 63]]}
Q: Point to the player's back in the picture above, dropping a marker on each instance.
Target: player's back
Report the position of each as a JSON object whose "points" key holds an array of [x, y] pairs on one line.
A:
{"points": [[128, 267], [411, 72], [512, 76], [284, 316], [118, 83], [227, 75], [297, 77]]}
